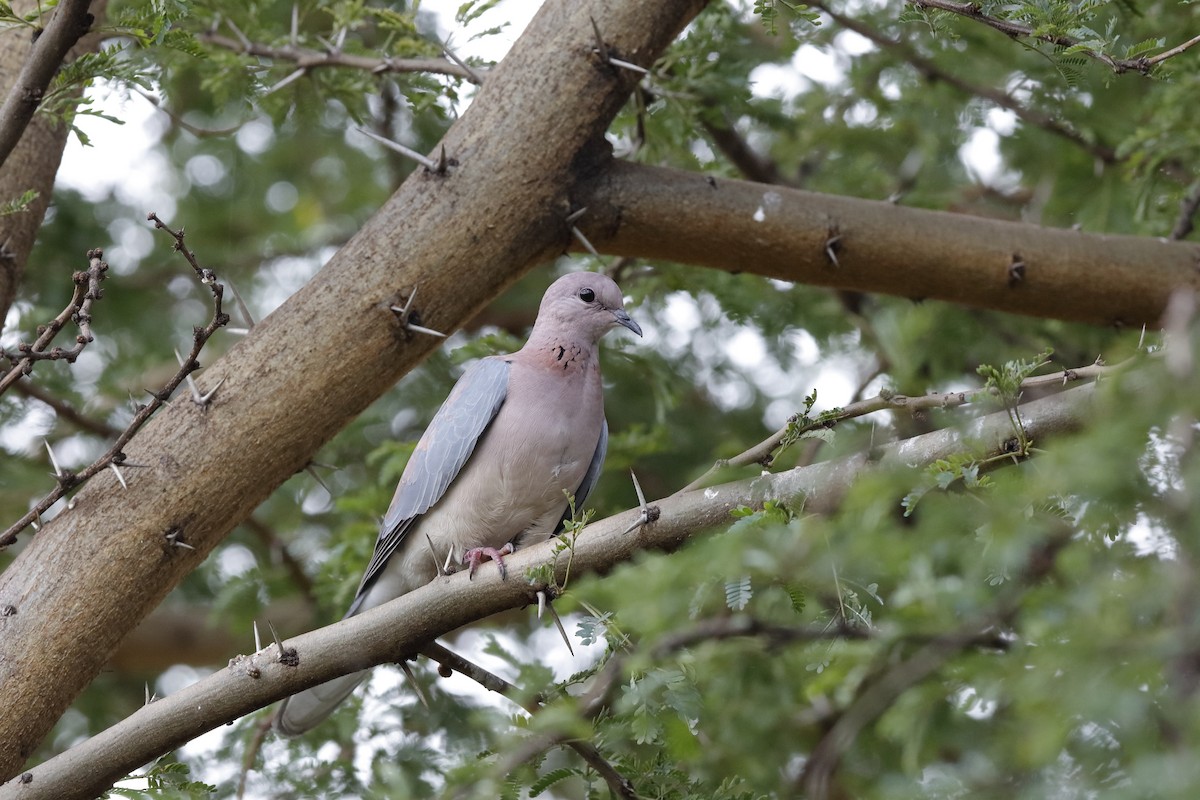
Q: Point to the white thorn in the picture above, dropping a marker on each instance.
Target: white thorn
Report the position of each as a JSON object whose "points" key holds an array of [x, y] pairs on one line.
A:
{"points": [[408, 673], [241, 305], [583, 240], [53, 461], [407, 152], [257, 641], [561, 630], [637, 487], [541, 596], [205, 398], [422, 329], [120, 477], [295, 75], [472, 74], [313, 474], [616, 62]]}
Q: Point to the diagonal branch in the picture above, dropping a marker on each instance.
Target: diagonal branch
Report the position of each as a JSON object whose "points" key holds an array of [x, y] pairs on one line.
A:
{"points": [[404, 626], [114, 457], [71, 20], [878, 694]]}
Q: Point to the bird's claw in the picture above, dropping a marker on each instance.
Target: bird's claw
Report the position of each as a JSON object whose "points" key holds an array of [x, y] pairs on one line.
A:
{"points": [[476, 555]]}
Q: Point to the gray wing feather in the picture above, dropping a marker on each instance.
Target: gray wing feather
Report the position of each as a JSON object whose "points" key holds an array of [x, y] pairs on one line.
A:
{"points": [[589, 478], [439, 456]]}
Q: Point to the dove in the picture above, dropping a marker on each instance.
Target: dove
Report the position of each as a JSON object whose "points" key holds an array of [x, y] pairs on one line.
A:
{"points": [[492, 472]]}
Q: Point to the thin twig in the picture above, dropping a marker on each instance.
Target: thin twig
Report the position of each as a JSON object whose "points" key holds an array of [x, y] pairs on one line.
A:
{"points": [[878, 694], [115, 453], [78, 310], [764, 452], [1143, 65], [306, 59], [618, 784], [934, 72]]}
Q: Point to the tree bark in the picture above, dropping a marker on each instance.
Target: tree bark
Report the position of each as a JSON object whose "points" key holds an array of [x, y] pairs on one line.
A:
{"points": [[871, 246], [401, 627], [536, 127]]}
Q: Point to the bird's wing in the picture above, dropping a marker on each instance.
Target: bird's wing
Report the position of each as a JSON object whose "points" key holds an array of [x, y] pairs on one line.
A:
{"points": [[440, 455], [589, 478]]}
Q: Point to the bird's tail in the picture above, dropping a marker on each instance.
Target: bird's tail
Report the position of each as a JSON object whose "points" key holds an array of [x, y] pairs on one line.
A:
{"points": [[303, 711]]}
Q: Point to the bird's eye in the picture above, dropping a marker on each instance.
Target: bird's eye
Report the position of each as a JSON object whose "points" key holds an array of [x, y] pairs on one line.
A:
{"points": [[587, 295]]}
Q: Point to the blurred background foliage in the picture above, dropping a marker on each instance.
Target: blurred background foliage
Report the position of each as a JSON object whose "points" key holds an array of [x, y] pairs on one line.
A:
{"points": [[1065, 676]]}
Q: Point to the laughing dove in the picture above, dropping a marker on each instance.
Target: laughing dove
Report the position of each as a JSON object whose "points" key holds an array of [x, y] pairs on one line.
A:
{"points": [[492, 470]]}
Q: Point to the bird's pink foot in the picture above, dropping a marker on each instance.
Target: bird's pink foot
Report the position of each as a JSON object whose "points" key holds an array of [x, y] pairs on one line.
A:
{"points": [[476, 555]]}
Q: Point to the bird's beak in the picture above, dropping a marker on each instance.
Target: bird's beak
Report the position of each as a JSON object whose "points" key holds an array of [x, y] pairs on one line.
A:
{"points": [[623, 318]]}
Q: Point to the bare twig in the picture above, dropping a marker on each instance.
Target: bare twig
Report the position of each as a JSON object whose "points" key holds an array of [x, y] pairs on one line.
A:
{"points": [[115, 454], [87, 291]]}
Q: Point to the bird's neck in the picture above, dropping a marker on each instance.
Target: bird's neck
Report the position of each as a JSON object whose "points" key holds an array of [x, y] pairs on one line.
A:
{"points": [[558, 352]]}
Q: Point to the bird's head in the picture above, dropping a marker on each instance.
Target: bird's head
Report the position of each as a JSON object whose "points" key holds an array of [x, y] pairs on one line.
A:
{"points": [[587, 304]]}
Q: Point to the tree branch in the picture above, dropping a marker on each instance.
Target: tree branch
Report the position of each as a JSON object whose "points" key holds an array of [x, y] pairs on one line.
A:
{"points": [[78, 310], [1188, 206], [764, 452], [878, 694], [71, 20], [654, 212], [933, 72], [403, 626], [618, 784], [306, 59], [1143, 65], [114, 458], [65, 411]]}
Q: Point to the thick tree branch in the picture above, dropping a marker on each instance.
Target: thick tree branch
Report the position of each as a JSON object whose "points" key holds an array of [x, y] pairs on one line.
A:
{"points": [[402, 627], [71, 21], [790, 234], [317, 361]]}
